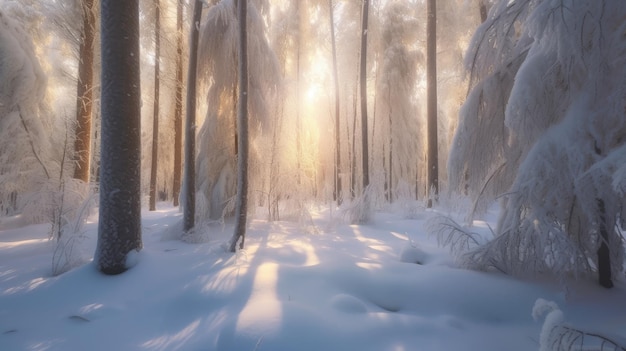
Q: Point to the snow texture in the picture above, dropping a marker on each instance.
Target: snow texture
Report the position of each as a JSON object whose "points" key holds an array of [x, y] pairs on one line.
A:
{"points": [[348, 287]]}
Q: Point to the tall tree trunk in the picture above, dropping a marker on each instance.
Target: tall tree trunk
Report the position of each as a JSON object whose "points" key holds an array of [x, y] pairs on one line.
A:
{"points": [[241, 207], [178, 107], [390, 148], [189, 212], [84, 93], [604, 257], [431, 82], [298, 98], [337, 196], [364, 134], [119, 227], [155, 116], [353, 151], [273, 192]]}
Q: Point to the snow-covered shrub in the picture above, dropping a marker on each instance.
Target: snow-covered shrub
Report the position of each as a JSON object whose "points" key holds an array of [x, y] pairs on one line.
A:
{"points": [[453, 235], [406, 202], [77, 203], [360, 209]]}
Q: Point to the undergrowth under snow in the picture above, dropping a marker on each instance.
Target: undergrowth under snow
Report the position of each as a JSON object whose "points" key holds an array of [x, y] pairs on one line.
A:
{"points": [[318, 285]]}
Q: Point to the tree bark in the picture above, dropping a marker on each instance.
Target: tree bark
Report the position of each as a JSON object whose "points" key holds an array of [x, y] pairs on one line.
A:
{"points": [[241, 208], [84, 93], [337, 196], [155, 116], [604, 256], [431, 82], [119, 227], [178, 107], [390, 146], [353, 146], [298, 98], [364, 133], [189, 212]]}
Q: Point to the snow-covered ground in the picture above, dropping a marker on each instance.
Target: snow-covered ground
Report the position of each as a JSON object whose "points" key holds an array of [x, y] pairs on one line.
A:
{"points": [[320, 284]]}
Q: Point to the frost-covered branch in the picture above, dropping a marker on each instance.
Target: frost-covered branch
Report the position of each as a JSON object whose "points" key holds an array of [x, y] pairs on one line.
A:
{"points": [[458, 238], [558, 335]]}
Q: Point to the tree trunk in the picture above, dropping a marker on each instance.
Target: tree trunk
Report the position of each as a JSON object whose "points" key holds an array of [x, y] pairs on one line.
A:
{"points": [[189, 212], [241, 208], [353, 151], [119, 227], [178, 107], [155, 116], [298, 100], [364, 134], [604, 257], [337, 196], [431, 82], [84, 93], [390, 150]]}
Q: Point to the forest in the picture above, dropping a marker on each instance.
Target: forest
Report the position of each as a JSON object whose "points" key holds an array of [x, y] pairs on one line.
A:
{"points": [[270, 149]]}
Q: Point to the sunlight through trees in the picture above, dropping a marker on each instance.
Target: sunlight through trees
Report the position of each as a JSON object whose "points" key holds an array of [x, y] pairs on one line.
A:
{"points": [[359, 105]]}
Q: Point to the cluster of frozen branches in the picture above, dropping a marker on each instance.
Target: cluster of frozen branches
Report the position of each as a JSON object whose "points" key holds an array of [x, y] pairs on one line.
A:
{"points": [[558, 335], [216, 161], [24, 143], [554, 99]]}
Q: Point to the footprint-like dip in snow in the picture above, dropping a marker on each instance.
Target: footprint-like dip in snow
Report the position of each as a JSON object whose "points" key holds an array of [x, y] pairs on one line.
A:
{"points": [[348, 304]]}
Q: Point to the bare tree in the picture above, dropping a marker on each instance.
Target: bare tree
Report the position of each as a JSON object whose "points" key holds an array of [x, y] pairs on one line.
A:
{"points": [[84, 92], [155, 116], [364, 133], [431, 82], [119, 227], [241, 208], [337, 196], [189, 213], [178, 101]]}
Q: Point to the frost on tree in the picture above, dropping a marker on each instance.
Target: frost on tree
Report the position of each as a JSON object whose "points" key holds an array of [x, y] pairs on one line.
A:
{"points": [[564, 126], [398, 130], [24, 144], [478, 164], [216, 161]]}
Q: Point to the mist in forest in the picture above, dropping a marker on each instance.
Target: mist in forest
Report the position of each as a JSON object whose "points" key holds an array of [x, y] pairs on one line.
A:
{"points": [[292, 96]]}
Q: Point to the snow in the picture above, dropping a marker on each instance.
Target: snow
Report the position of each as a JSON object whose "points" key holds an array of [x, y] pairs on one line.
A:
{"points": [[323, 285]]}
